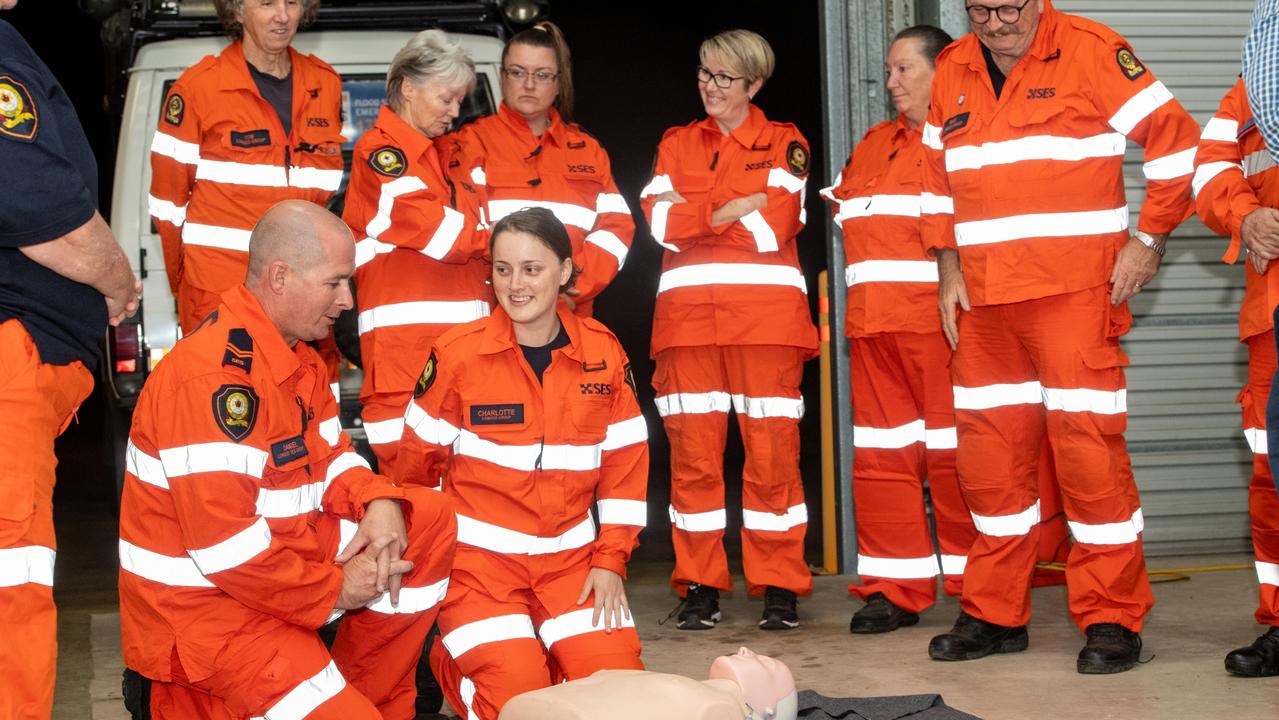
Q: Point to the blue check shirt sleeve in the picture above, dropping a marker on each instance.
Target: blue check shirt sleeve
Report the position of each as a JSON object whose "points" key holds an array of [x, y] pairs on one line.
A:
{"points": [[1261, 71]]}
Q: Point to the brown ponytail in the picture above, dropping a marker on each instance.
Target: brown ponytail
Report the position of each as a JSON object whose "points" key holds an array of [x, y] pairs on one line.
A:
{"points": [[547, 34]]}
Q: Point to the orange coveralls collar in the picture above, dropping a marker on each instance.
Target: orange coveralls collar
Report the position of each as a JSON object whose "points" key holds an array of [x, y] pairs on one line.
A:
{"points": [[499, 333], [413, 143], [746, 133], [556, 129], [238, 77]]}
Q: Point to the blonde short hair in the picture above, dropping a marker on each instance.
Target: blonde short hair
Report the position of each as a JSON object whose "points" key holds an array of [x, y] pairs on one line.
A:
{"points": [[745, 51]]}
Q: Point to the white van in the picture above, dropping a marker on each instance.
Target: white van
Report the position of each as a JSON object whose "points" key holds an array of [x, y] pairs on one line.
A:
{"points": [[361, 57]]}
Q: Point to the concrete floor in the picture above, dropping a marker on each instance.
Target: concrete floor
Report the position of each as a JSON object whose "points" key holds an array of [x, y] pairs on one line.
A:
{"points": [[1194, 624]]}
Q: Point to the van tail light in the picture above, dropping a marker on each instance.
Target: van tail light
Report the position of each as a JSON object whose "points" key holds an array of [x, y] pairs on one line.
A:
{"points": [[124, 343]]}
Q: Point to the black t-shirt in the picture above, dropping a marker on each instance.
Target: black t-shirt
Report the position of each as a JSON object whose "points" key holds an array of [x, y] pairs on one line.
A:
{"points": [[539, 358], [997, 77], [50, 187], [278, 92]]}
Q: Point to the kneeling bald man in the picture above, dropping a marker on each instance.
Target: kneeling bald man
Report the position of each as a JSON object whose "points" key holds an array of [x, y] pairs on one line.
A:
{"points": [[248, 522]]}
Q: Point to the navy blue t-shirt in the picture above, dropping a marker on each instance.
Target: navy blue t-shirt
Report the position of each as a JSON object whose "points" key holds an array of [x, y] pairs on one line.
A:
{"points": [[49, 187]]}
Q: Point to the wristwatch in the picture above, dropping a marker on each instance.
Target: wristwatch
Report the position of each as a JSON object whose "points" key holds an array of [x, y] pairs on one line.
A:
{"points": [[1148, 241]]}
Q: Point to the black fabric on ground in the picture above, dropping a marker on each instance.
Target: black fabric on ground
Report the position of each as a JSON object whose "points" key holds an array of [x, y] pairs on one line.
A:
{"points": [[916, 707]]}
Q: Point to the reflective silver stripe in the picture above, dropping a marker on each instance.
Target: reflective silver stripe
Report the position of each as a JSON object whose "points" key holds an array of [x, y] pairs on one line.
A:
{"points": [[794, 516], [315, 178], [422, 312], [489, 630], [466, 688], [346, 533], [930, 204], [386, 202], [525, 457], [941, 438], [1206, 172], [658, 185], [731, 274], [384, 431], [779, 178], [1256, 163], [769, 407], [1139, 107], [336, 389], [234, 173], [224, 238], [291, 503], [986, 397], [1171, 166], [144, 467], [1258, 442], [622, 512], [163, 569], [331, 430], [344, 462], [1007, 525], [446, 234], [235, 550], [478, 177], [310, 694], [1221, 130], [1267, 573], [213, 457], [187, 153], [953, 564], [166, 211], [709, 521], [611, 244], [429, 429], [626, 432], [611, 203], [1102, 402], [1116, 533], [932, 136], [876, 205], [568, 213], [413, 600], [828, 193], [31, 564], [765, 238], [889, 438], [897, 568], [692, 403], [868, 271], [1034, 147], [1035, 225], [658, 225], [573, 623], [498, 539]]}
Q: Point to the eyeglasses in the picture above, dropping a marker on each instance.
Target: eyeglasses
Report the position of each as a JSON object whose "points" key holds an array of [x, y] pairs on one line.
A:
{"points": [[1007, 14], [518, 74], [722, 81]]}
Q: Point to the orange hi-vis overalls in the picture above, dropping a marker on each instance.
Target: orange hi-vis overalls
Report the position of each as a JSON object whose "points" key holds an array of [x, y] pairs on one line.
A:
{"points": [[732, 328], [565, 171], [1028, 187], [1234, 175], [241, 489], [903, 412], [525, 462], [220, 159], [420, 261]]}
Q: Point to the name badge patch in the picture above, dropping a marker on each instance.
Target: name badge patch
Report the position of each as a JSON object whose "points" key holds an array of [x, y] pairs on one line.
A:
{"points": [[288, 450], [954, 123], [251, 139], [512, 414]]}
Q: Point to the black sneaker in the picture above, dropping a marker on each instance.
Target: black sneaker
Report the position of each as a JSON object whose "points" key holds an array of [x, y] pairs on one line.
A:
{"points": [[700, 608], [1260, 659], [880, 615], [973, 638], [1111, 648], [779, 610]]}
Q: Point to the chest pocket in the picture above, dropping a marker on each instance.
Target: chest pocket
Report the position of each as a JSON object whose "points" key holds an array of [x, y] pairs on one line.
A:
{"points": [[589, 412], [507, 183], [694, 186]]}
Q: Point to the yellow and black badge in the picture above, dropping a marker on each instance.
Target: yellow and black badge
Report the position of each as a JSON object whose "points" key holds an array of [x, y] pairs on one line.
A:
{"points": [[797, 158], [174, 109], [235, 407], [388, 161], [427, 378], [18, 114], [1129, 63]]}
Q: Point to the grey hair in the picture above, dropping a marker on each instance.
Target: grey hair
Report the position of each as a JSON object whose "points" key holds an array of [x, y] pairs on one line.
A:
{"points": [[229, 12], [430, 55]]}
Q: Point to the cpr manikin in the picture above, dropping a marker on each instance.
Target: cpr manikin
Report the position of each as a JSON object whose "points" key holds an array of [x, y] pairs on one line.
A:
{"points": [[744, 686]]}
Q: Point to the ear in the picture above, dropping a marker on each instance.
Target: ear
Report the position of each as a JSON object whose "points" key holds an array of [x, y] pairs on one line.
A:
{"points": [[277, 274], [566, 271], [754, 87]]}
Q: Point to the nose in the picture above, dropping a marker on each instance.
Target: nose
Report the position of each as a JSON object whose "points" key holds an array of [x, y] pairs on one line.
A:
{"points": [[281, 8], [345, 299], [893, 80]]}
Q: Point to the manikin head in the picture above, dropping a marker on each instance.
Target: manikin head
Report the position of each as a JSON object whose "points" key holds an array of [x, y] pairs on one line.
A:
{"points": [[768, 688]]}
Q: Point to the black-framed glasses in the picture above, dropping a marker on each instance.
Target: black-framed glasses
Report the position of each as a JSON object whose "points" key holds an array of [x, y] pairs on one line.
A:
{"points": [[518, 74], [1007, 14], [722, 80]]}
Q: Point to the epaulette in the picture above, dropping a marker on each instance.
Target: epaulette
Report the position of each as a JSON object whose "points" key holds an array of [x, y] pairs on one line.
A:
{"points": [[239, 350]]}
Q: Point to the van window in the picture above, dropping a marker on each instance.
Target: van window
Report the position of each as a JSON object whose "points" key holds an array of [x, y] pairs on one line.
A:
{"points": [[363, 95]]}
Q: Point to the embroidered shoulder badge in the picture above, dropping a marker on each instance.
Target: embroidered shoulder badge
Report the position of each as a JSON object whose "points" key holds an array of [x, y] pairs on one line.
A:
{"points": [[427, 379], [388, 161], [235, 407], [797, 158], [175, 109], [18, 114], [239, 350], [1129, 64]]}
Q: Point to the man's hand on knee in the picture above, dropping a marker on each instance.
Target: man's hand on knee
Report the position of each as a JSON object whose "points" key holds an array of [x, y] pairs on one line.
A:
{"points": [[382, 537], [361, 575]]}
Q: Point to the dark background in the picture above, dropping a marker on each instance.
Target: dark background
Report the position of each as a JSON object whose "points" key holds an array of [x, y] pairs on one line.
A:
{"points": [[635, 77]]}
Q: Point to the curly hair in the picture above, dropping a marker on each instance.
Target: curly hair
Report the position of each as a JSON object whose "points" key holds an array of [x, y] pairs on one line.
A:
{"points": [[229, 15]]}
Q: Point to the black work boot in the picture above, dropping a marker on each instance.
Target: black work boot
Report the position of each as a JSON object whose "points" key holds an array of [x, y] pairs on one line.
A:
{"points": [[779, 610], [1111, 648], [880, 615], [1260, 659], [973, 638], [700, 608]]}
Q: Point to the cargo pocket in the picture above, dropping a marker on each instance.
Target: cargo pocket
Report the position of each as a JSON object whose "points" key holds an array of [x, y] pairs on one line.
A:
{"points": [[17, 507]]}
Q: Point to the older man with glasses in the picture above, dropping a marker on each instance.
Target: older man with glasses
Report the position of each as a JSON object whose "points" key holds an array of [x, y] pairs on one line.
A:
{"points": [[1023, 205]]}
